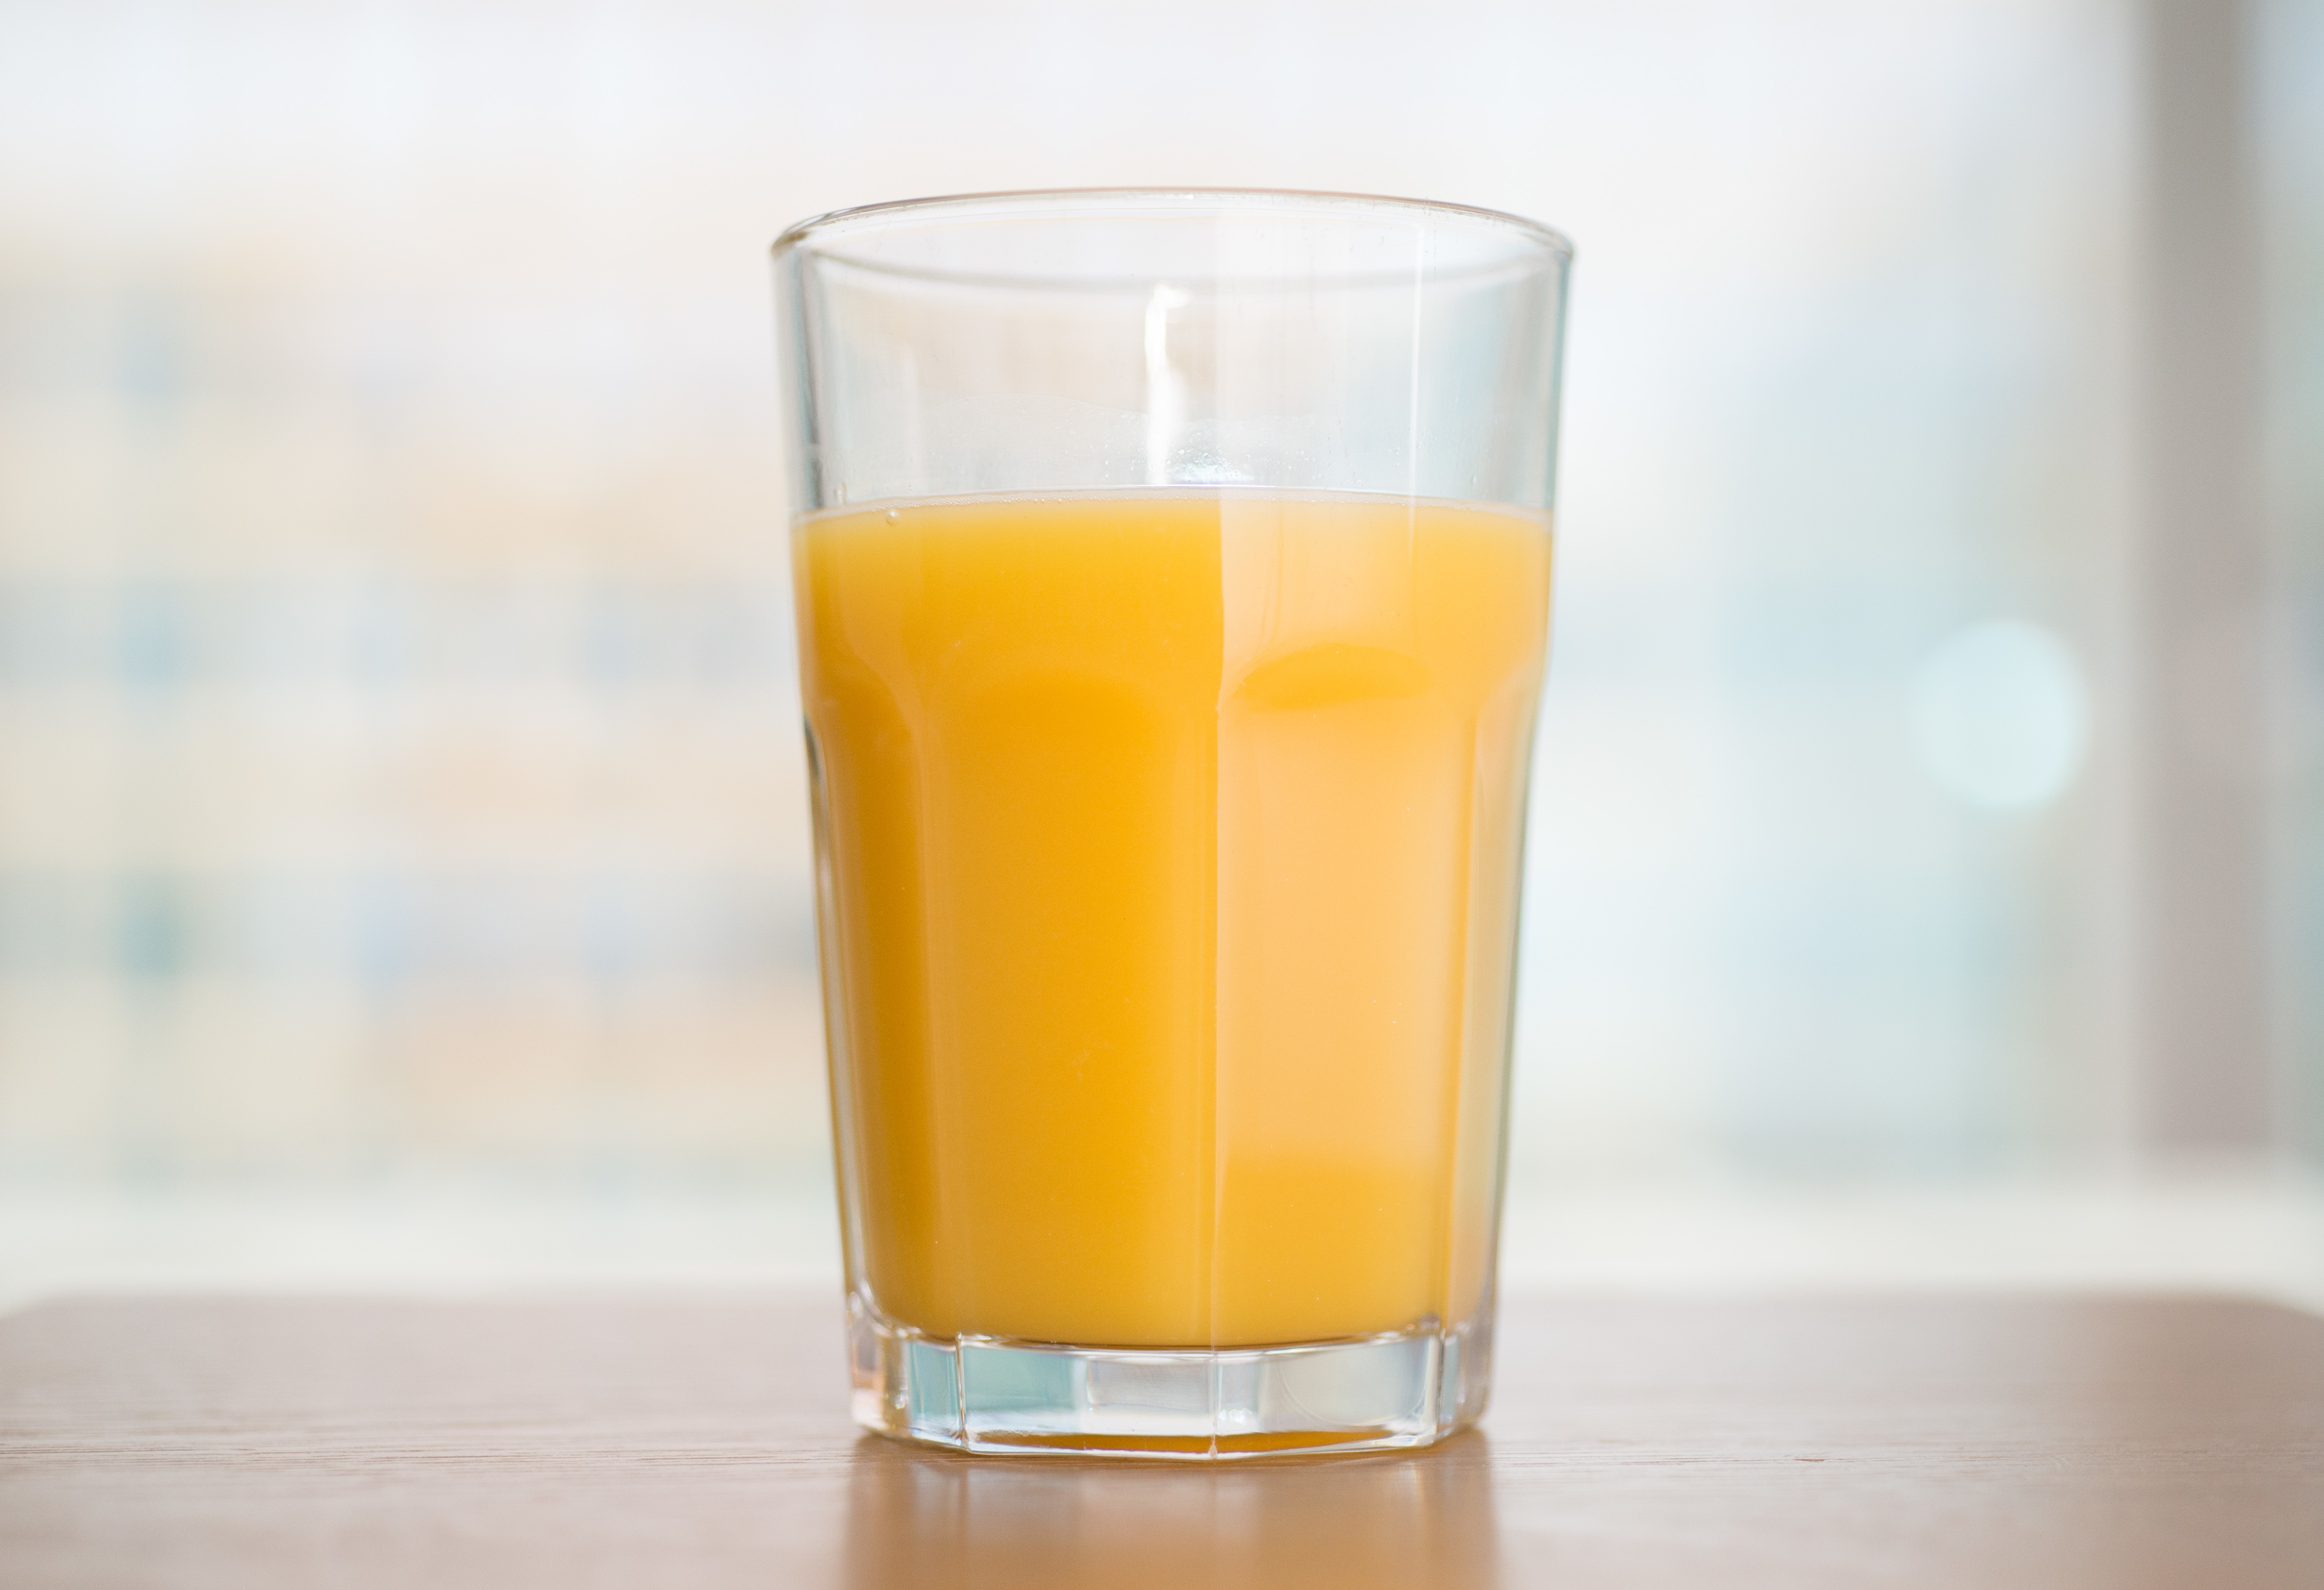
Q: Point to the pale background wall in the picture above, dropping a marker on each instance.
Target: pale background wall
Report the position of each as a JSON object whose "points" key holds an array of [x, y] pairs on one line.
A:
{"points": [[403, 850]]}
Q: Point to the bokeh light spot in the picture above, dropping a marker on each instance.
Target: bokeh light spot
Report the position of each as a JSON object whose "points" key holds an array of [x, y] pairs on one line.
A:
{"points": [[2000, 716]]}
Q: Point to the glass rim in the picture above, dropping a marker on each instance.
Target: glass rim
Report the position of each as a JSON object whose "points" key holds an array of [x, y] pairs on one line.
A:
{"points": [[1005, 205]]}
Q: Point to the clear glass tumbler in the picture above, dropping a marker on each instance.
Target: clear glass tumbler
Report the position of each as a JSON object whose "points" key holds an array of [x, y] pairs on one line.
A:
{"points": [[1173, 572]]}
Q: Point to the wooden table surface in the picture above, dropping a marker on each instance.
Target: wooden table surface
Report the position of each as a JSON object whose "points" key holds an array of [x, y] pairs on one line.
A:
{"points": [[1985, 1442]]}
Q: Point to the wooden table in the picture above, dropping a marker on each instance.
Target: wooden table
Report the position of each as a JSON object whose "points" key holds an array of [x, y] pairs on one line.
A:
{"points": [[701, 1442]]}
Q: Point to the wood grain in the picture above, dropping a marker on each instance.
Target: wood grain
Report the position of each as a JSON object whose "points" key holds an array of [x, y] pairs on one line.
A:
{"points": [[1985, 1442]]}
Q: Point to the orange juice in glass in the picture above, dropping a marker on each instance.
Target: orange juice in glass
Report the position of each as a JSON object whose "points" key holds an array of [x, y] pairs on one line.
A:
{"points": [[1173, 577]]}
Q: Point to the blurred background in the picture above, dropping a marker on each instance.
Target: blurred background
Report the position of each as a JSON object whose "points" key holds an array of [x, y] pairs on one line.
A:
{"points": [[403, 855]]}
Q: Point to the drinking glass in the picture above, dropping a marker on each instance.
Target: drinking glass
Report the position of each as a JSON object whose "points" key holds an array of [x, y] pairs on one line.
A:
{"points": [[1173, 578]]}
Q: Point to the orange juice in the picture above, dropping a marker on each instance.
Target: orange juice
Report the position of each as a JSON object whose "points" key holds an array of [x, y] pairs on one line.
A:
{"points": [[1168, 851]]}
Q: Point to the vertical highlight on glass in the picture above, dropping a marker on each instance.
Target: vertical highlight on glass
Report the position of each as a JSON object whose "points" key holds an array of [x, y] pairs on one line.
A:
{"points": [[1173, 583]]}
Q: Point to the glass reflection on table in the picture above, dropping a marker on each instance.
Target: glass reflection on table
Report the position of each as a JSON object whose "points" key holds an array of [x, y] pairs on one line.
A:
{"points": [[919, 1516]]}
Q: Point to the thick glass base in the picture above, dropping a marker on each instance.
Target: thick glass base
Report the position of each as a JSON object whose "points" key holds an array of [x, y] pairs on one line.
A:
{"points": [[995, 1394]]}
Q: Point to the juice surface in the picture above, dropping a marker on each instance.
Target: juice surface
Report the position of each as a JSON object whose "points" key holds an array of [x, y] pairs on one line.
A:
{"points": [[1168, 851]]}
